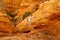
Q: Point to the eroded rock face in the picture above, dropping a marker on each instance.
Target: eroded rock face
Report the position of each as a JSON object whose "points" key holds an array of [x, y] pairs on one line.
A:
{"points": [[18, 4], [38, 35], [47, 25], [46, 14]]}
